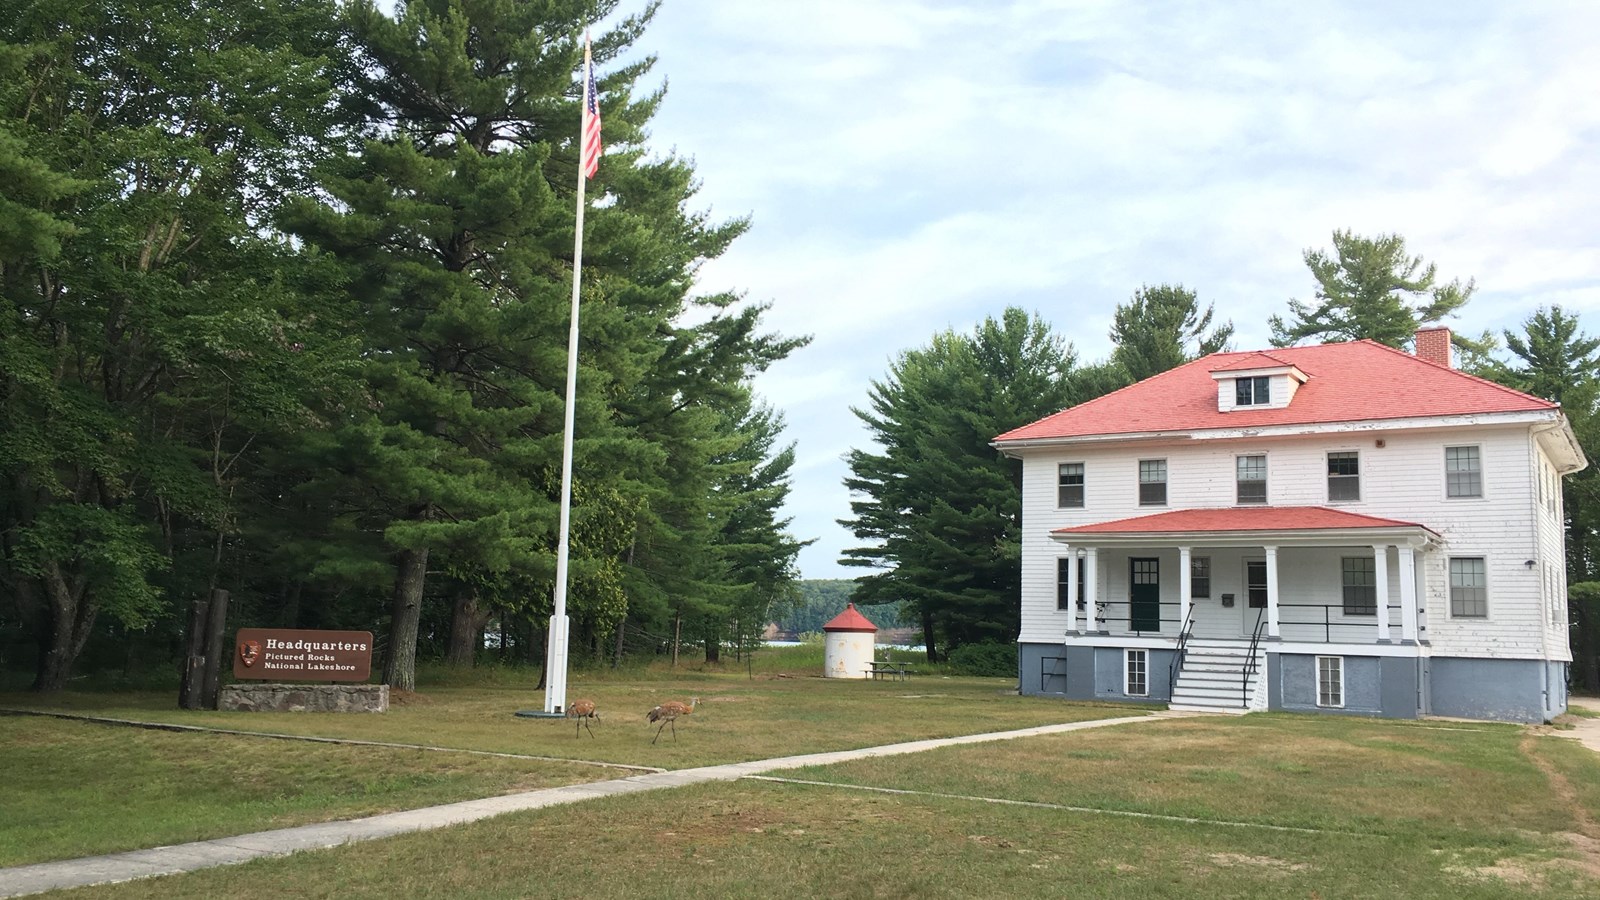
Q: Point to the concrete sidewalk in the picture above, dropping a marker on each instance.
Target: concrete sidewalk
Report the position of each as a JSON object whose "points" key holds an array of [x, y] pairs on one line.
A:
{"points": [[23, 880], [1584, 730]]}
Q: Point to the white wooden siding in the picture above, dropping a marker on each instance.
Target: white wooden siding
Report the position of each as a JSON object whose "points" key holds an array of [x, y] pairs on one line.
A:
{"points": [[1403, 479]]}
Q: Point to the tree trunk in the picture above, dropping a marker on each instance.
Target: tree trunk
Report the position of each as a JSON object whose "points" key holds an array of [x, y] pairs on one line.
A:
{"points": [[466, 631], [191, 690], [677, 636], [216, 628], [71, 617], [927, 635], [290, 616], [622, 627], [400, 666]]}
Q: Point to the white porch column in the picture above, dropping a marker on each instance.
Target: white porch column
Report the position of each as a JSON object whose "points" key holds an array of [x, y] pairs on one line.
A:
{"points": [[1184, 587], [1091, 586], [1072, 589], [1380, 579], [1272, 592], [1408, 595]]}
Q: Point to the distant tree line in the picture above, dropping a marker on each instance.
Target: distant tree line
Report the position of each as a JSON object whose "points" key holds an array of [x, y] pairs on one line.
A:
{"points": [[818, 600], [284, 306], [938, 510]]}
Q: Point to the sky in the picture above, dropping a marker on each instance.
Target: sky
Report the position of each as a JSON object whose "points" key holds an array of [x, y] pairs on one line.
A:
{"points": [[912, 166]]}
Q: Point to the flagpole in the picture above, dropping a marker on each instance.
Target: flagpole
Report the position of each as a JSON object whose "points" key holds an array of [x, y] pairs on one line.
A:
{"points": [[555, 683]]}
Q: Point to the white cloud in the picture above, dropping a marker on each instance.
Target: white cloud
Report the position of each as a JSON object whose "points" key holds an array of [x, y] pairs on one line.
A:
{"points": [[913, 165]]}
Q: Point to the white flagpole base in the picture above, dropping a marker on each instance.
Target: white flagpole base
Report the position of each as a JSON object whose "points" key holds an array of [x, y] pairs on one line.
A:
{"points": [[555, 667]]}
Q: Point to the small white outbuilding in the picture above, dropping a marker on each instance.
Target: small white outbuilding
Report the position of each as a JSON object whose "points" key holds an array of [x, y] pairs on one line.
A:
{"points": [[849, 640]]}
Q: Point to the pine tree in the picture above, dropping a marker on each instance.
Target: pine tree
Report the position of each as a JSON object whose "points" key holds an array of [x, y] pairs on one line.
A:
{"points": [[940, 509], [1162, 328], [1370, 288]]}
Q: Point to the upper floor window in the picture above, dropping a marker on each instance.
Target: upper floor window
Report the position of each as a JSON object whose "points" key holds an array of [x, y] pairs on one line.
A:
{"points": [[1252, 479], [1360, 585], [1469, 588], [1200, 576], [1344, 476], [1070, 485], [1152, 482], [1463, 472], [1255, 391]]}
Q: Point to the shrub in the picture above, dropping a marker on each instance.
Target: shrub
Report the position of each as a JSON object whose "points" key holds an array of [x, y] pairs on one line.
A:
{"points": [[990, 660]]}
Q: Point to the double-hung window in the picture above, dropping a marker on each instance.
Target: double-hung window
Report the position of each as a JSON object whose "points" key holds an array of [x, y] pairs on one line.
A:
{"points": [[1360, 585], [1252, 479], [1256, 391], [1463, 472], [1199, 576], [1344, 476], [1063, 566], [1069, 490], [1152, 482], [1469, 588]]}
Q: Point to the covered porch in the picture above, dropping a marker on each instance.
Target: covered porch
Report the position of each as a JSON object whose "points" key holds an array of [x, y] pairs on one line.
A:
{"points": [[1304, 575]]}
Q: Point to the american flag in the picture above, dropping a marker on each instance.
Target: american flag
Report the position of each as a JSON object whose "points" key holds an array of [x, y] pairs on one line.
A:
{"points": [[590, 159]]}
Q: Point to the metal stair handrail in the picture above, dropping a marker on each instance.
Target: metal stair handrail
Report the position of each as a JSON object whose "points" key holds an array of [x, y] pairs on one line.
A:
{"points": [[1183, 648], [1250, 662]]}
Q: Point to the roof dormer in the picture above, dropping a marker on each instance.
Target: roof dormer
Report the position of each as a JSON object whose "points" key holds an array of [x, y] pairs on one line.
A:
{"points": [[1256, 381]]}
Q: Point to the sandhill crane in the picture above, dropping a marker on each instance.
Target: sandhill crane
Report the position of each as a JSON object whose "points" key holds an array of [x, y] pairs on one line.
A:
{"points": [[583, 711], [668, 713]]}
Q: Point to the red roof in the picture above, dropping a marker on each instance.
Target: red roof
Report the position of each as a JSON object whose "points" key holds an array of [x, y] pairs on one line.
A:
{"points": [[1348, 382], [850, 620], [1239, 518], [1262, 360]]}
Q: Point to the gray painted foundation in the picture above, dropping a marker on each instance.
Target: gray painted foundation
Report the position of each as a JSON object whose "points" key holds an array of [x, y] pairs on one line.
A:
{"points": [[1386, 686], [1089, 673], [1505, 690], [1397, 687]]}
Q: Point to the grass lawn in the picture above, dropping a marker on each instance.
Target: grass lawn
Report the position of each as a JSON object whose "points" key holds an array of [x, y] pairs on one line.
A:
{"points": [[1450, 832], [739, 718], [77, 789]]}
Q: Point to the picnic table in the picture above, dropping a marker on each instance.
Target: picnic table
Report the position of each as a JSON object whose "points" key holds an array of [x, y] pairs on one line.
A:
{"points": [[886, 669]]}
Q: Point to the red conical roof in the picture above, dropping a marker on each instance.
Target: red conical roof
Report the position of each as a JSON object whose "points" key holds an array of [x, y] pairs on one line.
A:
{"points": [[850, 620]]}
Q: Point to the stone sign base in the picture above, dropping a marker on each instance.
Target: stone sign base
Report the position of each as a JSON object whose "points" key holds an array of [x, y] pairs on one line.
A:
{"points": [[305, 698]]}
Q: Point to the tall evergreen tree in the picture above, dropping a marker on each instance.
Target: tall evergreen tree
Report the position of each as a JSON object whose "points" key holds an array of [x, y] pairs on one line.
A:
{"points": [[148, 330], [1370, 288], [1161, 328], [455, 222], [941, 509]]}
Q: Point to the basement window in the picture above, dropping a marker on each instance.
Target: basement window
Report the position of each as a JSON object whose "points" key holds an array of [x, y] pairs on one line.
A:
{"points": [[1330, 682], [1138, 682]]}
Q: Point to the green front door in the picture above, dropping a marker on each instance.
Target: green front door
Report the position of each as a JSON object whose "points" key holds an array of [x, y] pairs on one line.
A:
{"points": [[1144, 594]]}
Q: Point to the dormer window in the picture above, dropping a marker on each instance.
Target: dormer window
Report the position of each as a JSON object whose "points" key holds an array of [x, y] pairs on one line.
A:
{"points": [[1255, 381], [1255, 391]]}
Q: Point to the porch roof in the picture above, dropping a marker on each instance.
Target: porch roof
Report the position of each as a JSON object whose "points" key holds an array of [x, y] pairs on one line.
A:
{"points": [[1250, 524]]}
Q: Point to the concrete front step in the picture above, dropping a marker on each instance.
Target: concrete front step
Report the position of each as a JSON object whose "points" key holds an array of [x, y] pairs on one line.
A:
{"points": [[1195, 707]]}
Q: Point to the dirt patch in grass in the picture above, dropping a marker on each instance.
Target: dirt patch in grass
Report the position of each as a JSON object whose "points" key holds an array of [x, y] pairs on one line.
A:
{"points": [[1586, 841], [1259, 862]]}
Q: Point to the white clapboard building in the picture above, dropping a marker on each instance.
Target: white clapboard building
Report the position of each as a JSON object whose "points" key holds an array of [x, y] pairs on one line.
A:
{"points": [[1341, 528]]}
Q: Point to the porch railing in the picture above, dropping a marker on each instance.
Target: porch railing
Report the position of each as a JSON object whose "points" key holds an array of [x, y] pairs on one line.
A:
{"points": [[1297, 621]]}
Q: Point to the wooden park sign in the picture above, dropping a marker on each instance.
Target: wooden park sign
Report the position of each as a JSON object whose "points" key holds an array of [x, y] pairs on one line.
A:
{"points": [[284, 654]]}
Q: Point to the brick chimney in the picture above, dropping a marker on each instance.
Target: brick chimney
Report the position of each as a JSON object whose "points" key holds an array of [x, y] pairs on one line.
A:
{"points": [[1433, 345]]}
